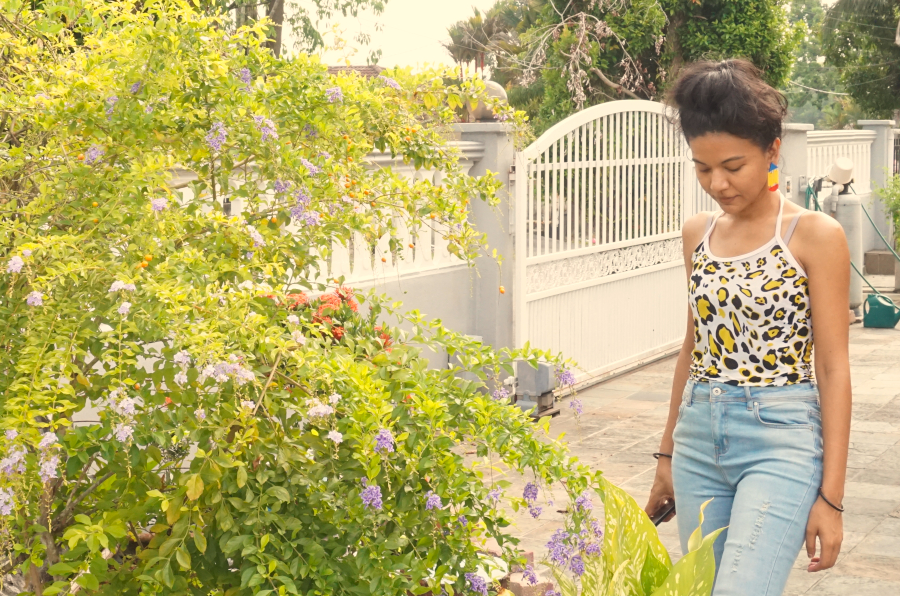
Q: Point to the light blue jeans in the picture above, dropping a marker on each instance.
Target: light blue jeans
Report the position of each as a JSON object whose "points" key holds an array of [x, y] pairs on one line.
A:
{"points": [[757, 452]]}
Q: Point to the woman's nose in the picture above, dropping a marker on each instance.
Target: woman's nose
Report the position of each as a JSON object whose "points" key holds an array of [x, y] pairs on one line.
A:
{"points": [[718, 182]]}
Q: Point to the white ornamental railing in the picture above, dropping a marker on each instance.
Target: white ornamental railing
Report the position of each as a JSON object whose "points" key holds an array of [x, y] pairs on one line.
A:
{"points": [[360, 263], [825, 146]]}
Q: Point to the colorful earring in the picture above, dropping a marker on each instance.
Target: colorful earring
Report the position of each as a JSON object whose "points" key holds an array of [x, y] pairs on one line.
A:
{"points": [[773, 177]]}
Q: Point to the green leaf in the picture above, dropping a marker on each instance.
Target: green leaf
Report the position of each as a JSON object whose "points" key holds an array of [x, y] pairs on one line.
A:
{"points": [[61, 569], [194, 486], [241, 476], [199, 540], [88, 581], [183, 558], [280, 493]]}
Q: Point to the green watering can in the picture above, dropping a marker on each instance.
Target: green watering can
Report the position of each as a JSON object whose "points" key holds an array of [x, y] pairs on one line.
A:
{"points": [[880, 311]]}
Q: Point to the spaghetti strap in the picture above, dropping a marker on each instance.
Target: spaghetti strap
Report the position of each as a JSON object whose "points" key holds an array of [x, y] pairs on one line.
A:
{"points": [[790, 230], [780, 213], [710, 224]]}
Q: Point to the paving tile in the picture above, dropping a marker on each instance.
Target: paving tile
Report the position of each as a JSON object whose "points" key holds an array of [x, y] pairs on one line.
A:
{"points": [[650, 396], [872, 491], [847, 585], [800, 581], [869, 566], [880, 545]]}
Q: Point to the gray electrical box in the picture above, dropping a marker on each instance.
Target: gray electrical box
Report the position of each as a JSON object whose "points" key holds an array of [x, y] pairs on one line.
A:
{"points": [[534, 382]]}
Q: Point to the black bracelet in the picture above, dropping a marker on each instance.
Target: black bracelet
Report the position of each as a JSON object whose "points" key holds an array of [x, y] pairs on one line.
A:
{"points": [[658, 455], [832, 505]]}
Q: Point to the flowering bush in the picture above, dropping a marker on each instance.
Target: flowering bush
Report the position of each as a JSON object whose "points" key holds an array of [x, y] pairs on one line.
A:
{"points": [[185, 409]]}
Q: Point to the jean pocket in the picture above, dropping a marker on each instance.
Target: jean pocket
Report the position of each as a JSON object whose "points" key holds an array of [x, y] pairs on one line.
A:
{"points": [[794, 414]]}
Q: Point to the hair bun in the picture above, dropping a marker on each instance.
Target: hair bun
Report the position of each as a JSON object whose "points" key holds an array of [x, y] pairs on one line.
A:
{"points": [[728, 96]]}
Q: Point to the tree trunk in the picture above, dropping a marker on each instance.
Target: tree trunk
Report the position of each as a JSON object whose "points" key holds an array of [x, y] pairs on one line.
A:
{"points": [[673, 45], [275, 12]]}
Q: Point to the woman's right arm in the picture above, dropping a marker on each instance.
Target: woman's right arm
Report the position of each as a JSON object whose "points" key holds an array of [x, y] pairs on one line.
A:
{"points": [[662, 491]]}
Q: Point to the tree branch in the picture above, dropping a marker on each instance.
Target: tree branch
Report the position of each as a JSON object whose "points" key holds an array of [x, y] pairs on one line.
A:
{"points": [[615, 86], [65, 517]]}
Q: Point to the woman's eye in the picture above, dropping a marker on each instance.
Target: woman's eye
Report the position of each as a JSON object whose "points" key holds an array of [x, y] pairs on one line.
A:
{"points": [[703, 171], [734, 170]]}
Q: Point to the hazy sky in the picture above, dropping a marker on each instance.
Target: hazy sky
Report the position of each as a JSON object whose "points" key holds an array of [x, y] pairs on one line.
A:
{"points": [[412, 31]]}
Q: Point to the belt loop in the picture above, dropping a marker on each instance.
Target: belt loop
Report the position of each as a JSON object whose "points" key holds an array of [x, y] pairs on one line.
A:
{"points": [[691, 386], [749, 397]]}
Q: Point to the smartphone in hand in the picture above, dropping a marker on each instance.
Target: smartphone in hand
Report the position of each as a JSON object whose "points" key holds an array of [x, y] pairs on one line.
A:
{"points": [[663, 512]]}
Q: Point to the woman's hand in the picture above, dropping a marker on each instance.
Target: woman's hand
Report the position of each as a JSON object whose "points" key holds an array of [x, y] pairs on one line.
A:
{"points": [[662, 490], [827, 524]]}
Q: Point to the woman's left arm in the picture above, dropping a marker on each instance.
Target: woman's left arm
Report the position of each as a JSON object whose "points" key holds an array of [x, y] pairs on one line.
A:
{"points": [[822, 250]]}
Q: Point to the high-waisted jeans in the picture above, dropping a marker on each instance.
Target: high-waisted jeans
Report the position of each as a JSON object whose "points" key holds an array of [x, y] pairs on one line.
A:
{"points": [[757, 452]]}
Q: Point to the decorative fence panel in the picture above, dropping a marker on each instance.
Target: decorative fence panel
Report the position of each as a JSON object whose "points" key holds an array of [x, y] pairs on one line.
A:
{"points": [[363, 264], [600, 201], [825, 146]]}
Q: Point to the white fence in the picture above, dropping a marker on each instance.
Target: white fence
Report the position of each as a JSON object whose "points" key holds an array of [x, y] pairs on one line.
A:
{"points": [[362, 264], [600, 201], [825, 146]]}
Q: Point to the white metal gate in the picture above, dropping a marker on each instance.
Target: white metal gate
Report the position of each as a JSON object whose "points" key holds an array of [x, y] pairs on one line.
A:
{"points": [[600, 200]]}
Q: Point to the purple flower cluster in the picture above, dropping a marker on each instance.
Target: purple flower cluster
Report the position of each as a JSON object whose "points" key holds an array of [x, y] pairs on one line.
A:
{"points": [[215, 138], [126, 406], [500, 394], [565, 377], [311, 218], [535, 511], [94, 153], [494, 495], [389, 82], [246, 79], [463, 520], [336, 437], [576, 564], [529, 575], [49, 465], [576, 405], [282, 186], [121, 285], [257, 238], [334, 94], [111, 102], [530, 493], [223, 371], [310, 166], [159, 204], [14, 462], [15, 264], [124, 308], [384, 441], [583, 502], [123, 432], [35, 299], [552, 592], [371, 496], [559, 548], [200, 414], [317, 409], [182, 359], [11, 434], [266, 127], [325, 154], [136, 87], [7, 503], [432, 501], [311, 131], [477, 583]]}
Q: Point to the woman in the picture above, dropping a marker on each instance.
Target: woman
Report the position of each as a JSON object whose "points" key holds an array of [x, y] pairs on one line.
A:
{"points": [[750, 425]]}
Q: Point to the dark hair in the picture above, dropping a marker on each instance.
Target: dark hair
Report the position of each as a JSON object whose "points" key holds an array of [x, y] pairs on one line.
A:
{"points": [[728, 96]]}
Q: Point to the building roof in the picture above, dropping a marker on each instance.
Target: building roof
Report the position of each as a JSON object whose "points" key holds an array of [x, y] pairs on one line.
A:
{"points": [[368, 71]]}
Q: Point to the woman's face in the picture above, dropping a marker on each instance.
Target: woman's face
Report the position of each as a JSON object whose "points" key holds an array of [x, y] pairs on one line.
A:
{"points": [[734, 171]]}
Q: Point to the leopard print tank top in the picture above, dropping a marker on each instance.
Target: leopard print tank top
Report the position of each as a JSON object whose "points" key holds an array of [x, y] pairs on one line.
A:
{"points": [[752, 317]]}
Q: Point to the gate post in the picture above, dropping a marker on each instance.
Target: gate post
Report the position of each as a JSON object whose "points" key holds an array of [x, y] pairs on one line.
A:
{"points": [[794, 159], [882, 169], [493, 311]]}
